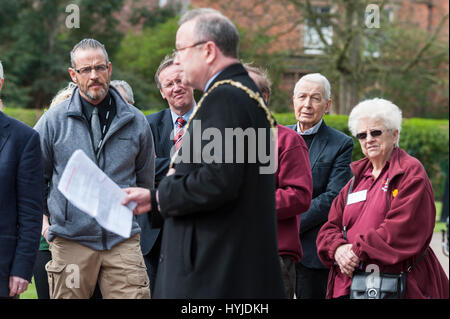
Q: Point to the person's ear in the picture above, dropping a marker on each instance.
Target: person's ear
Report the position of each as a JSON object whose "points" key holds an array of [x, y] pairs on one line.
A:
{"points": [[328, 107], [73, 75], [1, 83], [210, 52], [395, 134], [162, 94]]}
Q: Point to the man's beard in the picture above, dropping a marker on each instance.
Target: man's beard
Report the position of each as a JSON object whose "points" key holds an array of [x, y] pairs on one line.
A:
{"points": [[96, 96]]}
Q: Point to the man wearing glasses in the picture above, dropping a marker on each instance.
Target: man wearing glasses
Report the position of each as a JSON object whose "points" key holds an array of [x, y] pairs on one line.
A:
{"points": [[219, 238], [118, 139], [330, 155], [167, 128]]}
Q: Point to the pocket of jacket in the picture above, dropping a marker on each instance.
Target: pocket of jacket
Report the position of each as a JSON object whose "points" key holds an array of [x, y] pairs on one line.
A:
{"points": [[189, 248]]}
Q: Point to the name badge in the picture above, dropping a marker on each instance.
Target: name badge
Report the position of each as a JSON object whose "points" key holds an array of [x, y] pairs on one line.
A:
{"points": [[357, 197]]}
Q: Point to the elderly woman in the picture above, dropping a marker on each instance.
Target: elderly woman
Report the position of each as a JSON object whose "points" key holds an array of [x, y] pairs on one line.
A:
{"points": [[386, 220]]}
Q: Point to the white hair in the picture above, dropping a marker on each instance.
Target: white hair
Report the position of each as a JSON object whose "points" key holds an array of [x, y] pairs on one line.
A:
{"points": [[63, 94], [1, 70], [376, 109], [317, 78], [126, 88]]}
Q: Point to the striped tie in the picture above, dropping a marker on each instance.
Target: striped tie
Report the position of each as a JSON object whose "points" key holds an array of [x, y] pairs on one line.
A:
{"points": [[180, 122]]}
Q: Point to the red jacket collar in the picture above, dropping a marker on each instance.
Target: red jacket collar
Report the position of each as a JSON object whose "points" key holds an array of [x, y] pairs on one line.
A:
{"points": [[395, 165]]}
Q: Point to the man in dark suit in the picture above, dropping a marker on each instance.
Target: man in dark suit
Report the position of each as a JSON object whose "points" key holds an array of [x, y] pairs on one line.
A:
{"points": [[330, 155], [164, 126], [219, 237], [21, 200]]}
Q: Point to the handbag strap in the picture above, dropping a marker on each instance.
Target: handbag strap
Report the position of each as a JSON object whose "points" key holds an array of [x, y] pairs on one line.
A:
{"points": [[418, 260], [344, 227]]}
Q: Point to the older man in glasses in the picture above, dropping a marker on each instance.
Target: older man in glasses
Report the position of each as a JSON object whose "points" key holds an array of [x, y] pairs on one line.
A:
{"points": [[219, 238], [330, 155], [118, 139]]}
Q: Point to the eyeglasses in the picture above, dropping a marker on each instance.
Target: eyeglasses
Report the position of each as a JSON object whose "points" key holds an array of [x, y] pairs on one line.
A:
{"points": [[171, 84], [373, 133], [87, 70], [176, 51]]}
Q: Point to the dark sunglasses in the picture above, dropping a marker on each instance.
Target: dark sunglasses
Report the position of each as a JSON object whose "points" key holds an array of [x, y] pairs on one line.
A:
{"points": [[374, 133]]}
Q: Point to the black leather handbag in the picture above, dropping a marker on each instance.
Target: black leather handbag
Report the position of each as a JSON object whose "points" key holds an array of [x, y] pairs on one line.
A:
{"points": [[368, 285]]}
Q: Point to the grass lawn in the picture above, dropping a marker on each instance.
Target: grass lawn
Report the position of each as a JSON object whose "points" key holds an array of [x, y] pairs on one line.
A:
{"points": [[439, 225], [31, 291]]}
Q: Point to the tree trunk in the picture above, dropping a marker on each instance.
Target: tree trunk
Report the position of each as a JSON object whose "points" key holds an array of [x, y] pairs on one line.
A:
{"points": [[349, 74], [348, 93]]}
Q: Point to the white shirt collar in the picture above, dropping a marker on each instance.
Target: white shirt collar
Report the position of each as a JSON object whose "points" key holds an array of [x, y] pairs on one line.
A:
{"points": [[185, 116], [211, 79], [312, 130]]}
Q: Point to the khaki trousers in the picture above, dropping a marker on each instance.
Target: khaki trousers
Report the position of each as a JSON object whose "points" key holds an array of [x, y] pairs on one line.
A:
{"points": [[75, 269]]}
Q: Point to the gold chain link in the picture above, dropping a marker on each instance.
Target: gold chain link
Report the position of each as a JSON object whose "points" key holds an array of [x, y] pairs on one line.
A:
{"points": [[253, 95]]}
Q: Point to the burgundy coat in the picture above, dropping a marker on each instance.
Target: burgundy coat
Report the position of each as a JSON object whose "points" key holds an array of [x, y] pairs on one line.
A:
{"points": [[293, 182], [403, 235]]}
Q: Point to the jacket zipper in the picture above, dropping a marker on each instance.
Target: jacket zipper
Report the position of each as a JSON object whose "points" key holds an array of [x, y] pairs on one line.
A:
{"points": [[83, 119], [65, 212]]}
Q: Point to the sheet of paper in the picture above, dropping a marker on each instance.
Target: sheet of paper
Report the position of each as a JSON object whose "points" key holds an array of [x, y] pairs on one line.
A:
{"points": [[89, 189]]}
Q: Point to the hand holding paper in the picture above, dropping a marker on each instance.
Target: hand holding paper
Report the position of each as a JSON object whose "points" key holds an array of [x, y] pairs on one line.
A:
{"points": [[138, 195], [89, 189]]}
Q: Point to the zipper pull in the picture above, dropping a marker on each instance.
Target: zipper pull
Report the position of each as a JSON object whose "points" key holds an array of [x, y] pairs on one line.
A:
{"points": [[345, 232]]}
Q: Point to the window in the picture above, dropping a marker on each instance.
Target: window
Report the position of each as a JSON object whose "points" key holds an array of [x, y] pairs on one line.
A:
{"points": [[162, 3], [312, 42]]}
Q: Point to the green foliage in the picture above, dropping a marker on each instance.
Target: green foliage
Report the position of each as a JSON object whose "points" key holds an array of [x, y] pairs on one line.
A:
{"points": [[35, 45], [425, 139], [420, 83], [140, 55], [253, 50], [29, 117], [152, 18]]}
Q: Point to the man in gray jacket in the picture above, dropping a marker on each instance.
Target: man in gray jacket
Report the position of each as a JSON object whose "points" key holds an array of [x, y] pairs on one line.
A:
{"points": [[118, 138]]}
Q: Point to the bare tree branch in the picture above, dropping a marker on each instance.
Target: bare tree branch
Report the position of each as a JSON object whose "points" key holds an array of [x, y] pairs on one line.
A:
{"points": [[419, 54]]}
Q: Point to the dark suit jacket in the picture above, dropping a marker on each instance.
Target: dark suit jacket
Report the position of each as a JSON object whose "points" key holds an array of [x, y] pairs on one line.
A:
{"points": [[21, 200], [219, 238], [330, 155], [161, 126]]}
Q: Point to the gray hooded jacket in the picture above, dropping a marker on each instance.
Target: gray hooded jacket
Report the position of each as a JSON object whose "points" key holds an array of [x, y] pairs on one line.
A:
{"points": [[127, 156]]}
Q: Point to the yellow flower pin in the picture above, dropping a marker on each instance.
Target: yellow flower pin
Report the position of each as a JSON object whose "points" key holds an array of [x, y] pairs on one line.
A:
{"points": [[394, 192]]}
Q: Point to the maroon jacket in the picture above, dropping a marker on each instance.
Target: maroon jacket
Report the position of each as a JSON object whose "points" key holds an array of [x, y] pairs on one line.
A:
{"points": [[293, 182], [402, 236]]}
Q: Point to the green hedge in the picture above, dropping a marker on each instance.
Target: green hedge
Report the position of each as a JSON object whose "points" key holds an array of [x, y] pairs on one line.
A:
{"points": [[425, 139]]}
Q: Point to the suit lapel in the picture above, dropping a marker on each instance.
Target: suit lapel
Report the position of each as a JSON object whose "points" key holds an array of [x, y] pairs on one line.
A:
{"points": [[4, 130], [318, 144], [165, 129]]}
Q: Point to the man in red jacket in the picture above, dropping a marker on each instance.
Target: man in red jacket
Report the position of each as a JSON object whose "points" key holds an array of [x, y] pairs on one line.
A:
{"points": [[293, 182]]}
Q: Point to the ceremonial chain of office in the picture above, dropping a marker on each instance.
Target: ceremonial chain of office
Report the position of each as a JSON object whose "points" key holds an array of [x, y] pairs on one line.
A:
{"points": [[254, 95]]}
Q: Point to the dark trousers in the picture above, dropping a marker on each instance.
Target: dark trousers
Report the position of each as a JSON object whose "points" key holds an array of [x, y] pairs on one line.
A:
{"points": [[40, 274], [288, 272], [310, 283], [152, 261]]}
